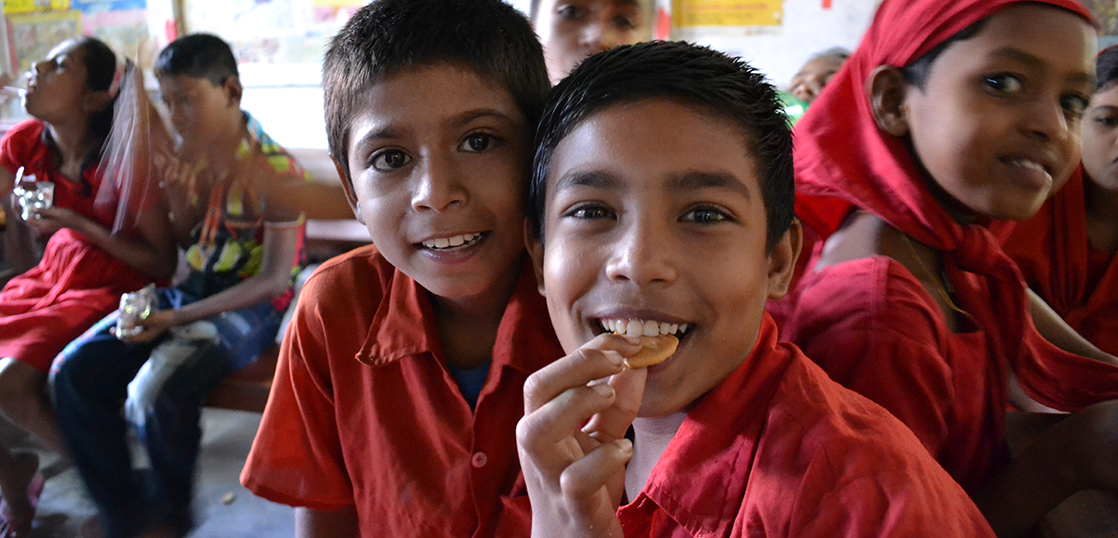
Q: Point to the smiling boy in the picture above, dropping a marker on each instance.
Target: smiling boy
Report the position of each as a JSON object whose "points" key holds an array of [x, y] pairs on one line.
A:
{"points": [[400, 379], [682, 223]]}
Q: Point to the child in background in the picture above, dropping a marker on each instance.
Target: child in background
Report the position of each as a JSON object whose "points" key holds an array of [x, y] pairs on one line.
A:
{"points": [[230, 197], [1066, 251], [401, 376], [950, 119], [662, 204], [816, 73], [572, 30], [85, 268]]}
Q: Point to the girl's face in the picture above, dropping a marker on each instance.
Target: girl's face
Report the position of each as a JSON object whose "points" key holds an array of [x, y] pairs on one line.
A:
{"points": [[996, 125], [56, 86], [1100, 139]]}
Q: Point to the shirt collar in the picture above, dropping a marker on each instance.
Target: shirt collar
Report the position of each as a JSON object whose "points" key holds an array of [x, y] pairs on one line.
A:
{"points": [[701, 478], [404, 326]]}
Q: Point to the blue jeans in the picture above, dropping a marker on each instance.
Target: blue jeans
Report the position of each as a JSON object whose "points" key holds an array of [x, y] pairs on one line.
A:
{"points": [[90, 382]]}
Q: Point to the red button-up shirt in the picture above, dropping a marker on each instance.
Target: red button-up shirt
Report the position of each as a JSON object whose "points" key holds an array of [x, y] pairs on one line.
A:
{"points": [[778, 449], [364, 411]]}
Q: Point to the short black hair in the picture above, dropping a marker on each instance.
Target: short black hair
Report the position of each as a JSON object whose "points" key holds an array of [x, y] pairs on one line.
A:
{"points": [[1106, 68], [917, 72], [691, 75], [489, 37], [198, 56]]}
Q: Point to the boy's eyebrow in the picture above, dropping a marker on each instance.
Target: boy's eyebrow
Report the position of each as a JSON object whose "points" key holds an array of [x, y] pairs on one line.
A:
{"points": [[593, 179], [471, 115], [695, 180], [1032, 61]]}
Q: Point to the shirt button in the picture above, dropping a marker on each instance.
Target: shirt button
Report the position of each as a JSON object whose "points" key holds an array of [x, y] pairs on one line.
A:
{"points": [[479, 460]]}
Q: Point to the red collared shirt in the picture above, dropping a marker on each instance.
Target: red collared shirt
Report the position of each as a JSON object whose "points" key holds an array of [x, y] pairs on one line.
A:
{"points": [[778, 449], [364, 412]]}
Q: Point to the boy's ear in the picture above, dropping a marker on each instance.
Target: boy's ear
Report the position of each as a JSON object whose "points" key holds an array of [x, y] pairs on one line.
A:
{"points": [[535, 250], [782, 260], [96, 101], [233, 91], [347, 187], [887, 89]]}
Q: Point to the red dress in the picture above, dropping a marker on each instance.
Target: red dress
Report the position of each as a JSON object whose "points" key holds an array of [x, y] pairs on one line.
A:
{"points": [[1079, 282], [76, 283]]}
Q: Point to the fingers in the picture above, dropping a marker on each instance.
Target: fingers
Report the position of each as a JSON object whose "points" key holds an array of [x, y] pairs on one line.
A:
{"points": [[586, 477], [612, 422], [599, 358]]}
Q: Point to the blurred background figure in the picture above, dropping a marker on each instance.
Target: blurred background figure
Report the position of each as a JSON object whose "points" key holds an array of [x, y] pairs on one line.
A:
{"points": [[571, 30]]}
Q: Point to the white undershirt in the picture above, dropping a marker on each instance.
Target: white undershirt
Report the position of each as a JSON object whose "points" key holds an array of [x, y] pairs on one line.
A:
{"points": [[651, 438]]}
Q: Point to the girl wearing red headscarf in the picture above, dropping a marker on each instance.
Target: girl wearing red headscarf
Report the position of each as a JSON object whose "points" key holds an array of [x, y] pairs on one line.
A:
{"points": [[952, 117], [1066, 251]]}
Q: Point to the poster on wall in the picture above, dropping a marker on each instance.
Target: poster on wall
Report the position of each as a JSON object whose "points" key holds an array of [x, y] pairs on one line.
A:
{"points": [[271, 32], [727, 13]]}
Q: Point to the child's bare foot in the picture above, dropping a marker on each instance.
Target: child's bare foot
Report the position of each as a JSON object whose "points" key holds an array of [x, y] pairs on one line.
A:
{"points": [[15, 484], [21, 485]]}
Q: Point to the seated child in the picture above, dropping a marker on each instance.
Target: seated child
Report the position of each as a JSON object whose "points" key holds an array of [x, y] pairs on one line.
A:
{"points": [[88, 263], [401, 376], [662, 204], [816, 73], [1066, 252], [245, 247], [571, 31], [950, 119]]}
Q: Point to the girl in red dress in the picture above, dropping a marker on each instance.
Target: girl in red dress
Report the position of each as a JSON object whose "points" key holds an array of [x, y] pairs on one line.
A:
{"points": [[87, 264]]}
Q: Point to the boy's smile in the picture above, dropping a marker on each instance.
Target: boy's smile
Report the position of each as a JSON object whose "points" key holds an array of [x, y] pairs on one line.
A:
{"points": [[997, 123], [438, 159], [654, 223]]}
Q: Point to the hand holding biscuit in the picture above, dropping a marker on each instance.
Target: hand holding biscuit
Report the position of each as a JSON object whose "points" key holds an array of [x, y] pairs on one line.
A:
{"points": [[571, 438]]}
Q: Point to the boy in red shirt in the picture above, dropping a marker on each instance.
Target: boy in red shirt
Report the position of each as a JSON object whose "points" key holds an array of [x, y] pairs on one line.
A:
{"points": [[400, 379], [662, 204], [952, 118]]}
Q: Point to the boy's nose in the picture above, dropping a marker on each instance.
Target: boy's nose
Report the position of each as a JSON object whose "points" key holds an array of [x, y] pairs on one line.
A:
{"points": [[437, 187], [640, 256], [599, 36], [1047, 122]]}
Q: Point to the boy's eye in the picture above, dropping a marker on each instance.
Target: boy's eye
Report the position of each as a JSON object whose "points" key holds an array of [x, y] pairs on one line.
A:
{"points": [[624, 23], [476, 143], [1004, 83], [570, 13], [1108, 121], [387, 161], [705, 215], [1074, 105], [588, 212]]}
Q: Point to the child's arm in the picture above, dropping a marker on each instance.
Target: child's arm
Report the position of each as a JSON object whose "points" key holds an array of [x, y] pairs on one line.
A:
{"points": [[280, 244], [571, 439], [1054, 329], [153, 252], [322, 524], [1077, 453]]}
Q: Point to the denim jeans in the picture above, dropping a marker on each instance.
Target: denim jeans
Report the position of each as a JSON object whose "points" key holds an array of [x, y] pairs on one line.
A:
{"points": [[90, 384]]}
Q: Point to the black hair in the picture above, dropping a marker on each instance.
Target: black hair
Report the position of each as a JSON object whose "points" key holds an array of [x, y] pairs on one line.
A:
{"points": [[100, 72], [198, 56], [1106, 68], [917, 72], [724, 87], [488, 37]]}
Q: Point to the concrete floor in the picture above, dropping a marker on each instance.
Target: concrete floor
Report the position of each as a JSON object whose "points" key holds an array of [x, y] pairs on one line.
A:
{"points": [[227, 436]]}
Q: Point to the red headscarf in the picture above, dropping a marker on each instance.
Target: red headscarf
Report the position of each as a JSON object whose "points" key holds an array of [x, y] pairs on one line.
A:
{"points": [[843, 160]]}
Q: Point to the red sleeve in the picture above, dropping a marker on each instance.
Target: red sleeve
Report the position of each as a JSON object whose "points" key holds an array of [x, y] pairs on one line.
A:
{"points": [[867, 323], [296, 458], [15, 148]]}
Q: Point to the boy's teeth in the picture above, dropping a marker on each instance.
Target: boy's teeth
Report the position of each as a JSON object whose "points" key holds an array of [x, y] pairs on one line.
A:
{"points": [[636, 327], [450, 242]]}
